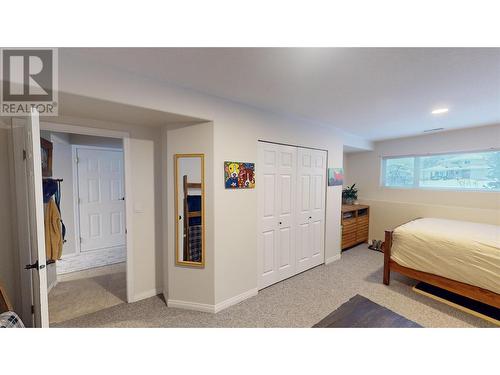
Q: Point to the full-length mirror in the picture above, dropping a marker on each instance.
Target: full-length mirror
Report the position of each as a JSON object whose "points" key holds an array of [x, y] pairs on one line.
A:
{"points": [[190, 210]]}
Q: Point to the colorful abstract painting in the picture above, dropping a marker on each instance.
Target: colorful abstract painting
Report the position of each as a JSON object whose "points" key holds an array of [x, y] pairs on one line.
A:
{"points": [[238, 175], [335, 176]]}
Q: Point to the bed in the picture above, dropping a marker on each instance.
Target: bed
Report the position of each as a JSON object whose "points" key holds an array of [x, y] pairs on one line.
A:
{"points": [[459, 256]]}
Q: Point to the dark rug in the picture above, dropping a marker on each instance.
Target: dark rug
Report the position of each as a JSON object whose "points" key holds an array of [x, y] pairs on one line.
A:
{"points": [[465, 304], [360, 312]]}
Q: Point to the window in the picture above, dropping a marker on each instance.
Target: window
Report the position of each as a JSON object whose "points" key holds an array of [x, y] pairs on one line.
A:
{"points": [[460, 171], [400, 172]]}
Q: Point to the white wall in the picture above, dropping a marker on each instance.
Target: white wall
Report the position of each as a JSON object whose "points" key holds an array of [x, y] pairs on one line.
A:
{"points": [[62, 167], [391, 207], [236, 131], [187, 284], [236, 138]]}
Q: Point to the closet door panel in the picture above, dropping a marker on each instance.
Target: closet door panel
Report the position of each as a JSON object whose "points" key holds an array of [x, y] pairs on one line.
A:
{"points": [[269, 252], [311, 216], [268, 208], [318, 207], [291, 211], [276, 170], [317, 234], [285, 242], [305, 196], [304, 202], [303, 239], [286, 211], [269, 182], [317, 192], [286, 194]]}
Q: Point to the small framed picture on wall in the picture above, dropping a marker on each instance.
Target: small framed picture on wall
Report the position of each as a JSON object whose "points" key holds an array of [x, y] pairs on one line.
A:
{"points": [[239, 175], [335, 176]]}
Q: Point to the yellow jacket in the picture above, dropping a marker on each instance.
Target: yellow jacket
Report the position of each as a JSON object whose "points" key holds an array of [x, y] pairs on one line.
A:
{"points": [[53, 231]]}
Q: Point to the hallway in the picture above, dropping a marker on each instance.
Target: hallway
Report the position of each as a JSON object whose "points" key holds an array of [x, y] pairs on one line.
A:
{"points": [[86, 292]]}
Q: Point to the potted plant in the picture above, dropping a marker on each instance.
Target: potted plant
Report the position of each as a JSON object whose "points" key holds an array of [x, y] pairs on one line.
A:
{"points": [[350, 194]]}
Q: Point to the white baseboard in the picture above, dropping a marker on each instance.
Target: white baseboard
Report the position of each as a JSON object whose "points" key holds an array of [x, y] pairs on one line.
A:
{"points": [[236, 299], [146, 294], [205, 307], [332, 259], [91, 259]]}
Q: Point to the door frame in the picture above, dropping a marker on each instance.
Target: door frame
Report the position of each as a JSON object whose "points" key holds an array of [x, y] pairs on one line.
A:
{"points": [[259, 203], [125, 136], [98, 132]]}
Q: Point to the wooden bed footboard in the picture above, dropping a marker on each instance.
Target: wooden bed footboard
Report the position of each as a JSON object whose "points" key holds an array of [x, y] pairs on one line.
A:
{"points": [[386, 247], [466, 290]]}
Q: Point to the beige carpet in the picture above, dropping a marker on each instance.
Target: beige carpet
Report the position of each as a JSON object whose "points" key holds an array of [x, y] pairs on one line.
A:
{"points": [[300, 301], [84, 292]]}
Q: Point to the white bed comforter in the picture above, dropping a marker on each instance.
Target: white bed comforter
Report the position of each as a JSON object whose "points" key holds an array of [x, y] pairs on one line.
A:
{"points": [[458, 250]]}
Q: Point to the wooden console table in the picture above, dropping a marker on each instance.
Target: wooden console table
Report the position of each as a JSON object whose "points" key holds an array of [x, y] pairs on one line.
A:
{"points": [[355, 224]]}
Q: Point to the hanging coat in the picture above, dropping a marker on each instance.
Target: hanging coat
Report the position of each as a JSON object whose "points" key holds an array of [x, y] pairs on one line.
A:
{"points": [[53, 231]]}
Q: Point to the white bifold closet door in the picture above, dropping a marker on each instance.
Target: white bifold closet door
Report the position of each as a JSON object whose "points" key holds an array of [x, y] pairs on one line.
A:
{"points": [[291, 210], [311, 181], [276, 197]]}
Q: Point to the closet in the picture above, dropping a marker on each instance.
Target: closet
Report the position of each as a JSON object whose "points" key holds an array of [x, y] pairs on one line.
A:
{"points": [[291, 209]]}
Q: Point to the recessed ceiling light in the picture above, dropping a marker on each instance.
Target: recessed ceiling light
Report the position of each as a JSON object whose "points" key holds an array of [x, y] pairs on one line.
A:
{"points": [[439, 111]]}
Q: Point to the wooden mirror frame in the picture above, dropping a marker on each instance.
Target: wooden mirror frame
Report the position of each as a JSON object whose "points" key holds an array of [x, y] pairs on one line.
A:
{"points": [[176, 209]]}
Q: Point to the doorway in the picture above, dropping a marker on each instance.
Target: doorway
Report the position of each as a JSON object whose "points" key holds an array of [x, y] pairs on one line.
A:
{"points": [[90, 167], [90, 275]]}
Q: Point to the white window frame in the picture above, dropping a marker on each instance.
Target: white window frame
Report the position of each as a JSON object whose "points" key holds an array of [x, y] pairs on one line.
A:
{"points": [[416, 175]]}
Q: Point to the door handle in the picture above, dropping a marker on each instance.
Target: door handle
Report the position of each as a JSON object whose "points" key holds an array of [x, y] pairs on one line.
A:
{"points": [[34, 266]]}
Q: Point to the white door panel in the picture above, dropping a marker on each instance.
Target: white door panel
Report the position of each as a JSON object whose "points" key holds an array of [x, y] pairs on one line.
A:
{"points": [[269, 253], [267, 240], [311, 216], [276, 169], [36, 220], [286, 171], [101, 204], [291, 199], [285, 244]]}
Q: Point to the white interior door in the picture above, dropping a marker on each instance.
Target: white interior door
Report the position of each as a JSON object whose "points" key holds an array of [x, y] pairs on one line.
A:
{"points": [[311, 177], [36, 220], [101, 198], [277, 171], [291, 209]]}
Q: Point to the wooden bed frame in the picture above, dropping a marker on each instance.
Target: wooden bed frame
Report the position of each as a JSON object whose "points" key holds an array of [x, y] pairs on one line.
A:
{"points": [[466, 290]]}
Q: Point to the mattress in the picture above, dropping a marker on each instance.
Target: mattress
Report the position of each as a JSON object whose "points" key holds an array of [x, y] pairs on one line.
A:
{"points": [[458, 250]]}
